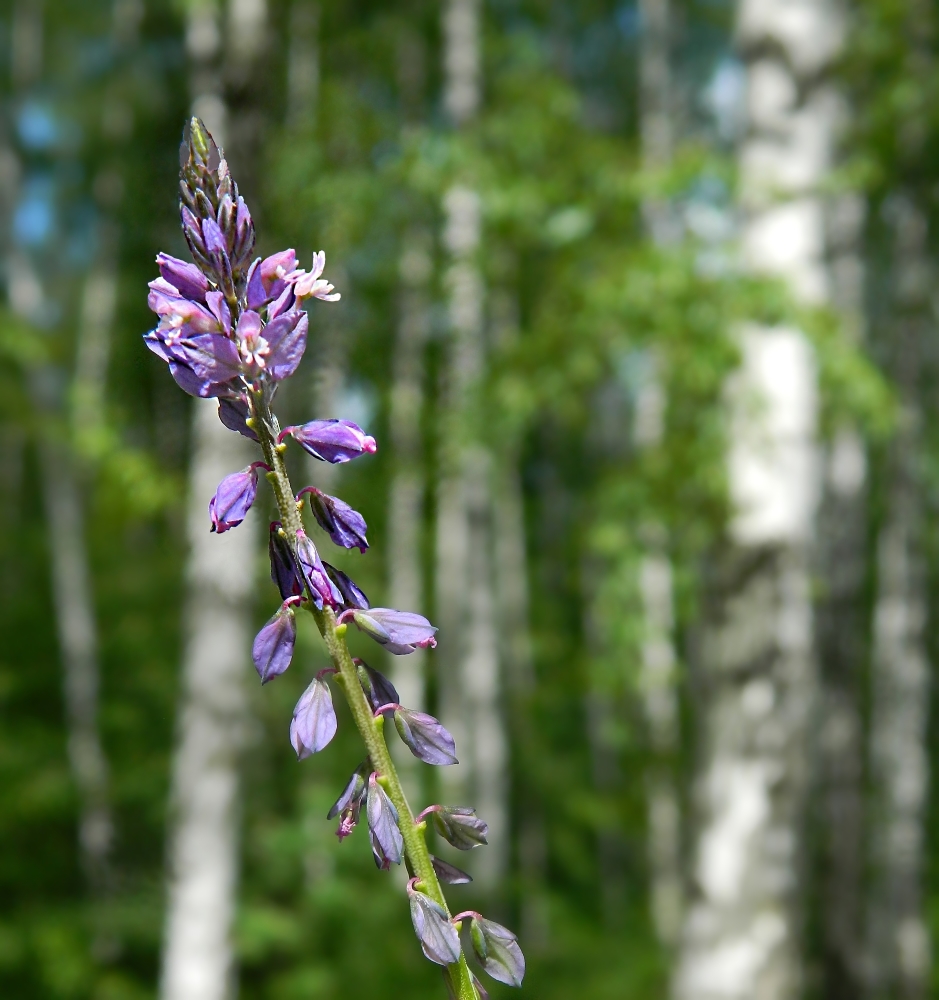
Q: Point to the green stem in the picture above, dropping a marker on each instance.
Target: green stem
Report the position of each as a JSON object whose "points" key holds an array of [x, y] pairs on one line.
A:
{"points": [[371, 729]]}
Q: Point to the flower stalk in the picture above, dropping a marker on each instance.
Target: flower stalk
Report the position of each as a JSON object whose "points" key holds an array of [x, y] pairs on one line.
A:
{"points": [[370, 728], [233, 330]]}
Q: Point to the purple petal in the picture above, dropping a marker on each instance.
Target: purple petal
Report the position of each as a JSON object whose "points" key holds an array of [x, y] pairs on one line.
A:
{"points": [[273, 647], [378, 689], [286, 337], [234, 413], [425, 737], [314, 721], [349, 804], [189, 382], [322, 589], [352, 594], [400, 632], [334, 441], [439, 939], [345, 526], [283, 565], [460, 827], [189, 281], [233, 499], [211, 356], [497, 950], [257, 296], [387, 842], [450, 874]]}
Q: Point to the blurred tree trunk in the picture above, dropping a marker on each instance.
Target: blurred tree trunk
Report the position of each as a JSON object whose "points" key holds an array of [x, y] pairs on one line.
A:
{"points": [[203, 862], [655, 570], [841, 635], [898, 949], [741, 936], [408, 484], [468, 657]]}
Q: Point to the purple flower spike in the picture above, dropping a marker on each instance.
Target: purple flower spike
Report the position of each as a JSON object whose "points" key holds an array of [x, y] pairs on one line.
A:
{"points": [[387, 842], [497, 950], [425, 737], [400, 632], [349, 804], [460, 827], [439, 939], [314, 720], [333, 441], [283, 565], [234, 497], [273, 648], [322, 589], [345, 526], [450, 874]]}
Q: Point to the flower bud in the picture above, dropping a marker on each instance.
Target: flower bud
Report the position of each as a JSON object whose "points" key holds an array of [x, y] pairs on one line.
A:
{"points": [[314, 721], [449, 874], [439, 939], [400, 632], [273, 648], [349, 804], [233, 499], [496, 948], [233, 413], [460, 827], [283, 565], [186, 278], [378, 689], [425, 737], [352, 596], [322, 589], [334, 441], [345, 526], [384, 835]]}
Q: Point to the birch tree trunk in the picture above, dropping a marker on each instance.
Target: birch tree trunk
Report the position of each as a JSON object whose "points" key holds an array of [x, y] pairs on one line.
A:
{"points": [[898, 950], [469, 664], [197, 961], [741, 933], [655, 570]]}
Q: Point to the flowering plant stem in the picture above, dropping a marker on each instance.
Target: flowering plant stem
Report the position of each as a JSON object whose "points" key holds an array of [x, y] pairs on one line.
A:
{"points": [[264, 424]]}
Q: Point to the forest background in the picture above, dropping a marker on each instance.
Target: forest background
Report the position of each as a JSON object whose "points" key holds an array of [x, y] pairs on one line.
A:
{"points": [[638, 299]]}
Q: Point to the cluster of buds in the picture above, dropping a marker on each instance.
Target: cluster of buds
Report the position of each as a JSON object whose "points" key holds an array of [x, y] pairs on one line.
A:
{"points": [[232, 329]]}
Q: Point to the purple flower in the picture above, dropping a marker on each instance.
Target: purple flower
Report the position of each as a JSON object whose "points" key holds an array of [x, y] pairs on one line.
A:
{"points": [[439, 939], [234, 497], [459, 826], [186, 278], [384, 835], [352, 595], [378, 689], [349, 804], [314, 720], [283, 565], [286, 337], [345, 526], [448, 873], [400, 632], [273, 647], [322, 589], [497, 950], [333, 441], [233, 412], [310, 284], [425, 737]]}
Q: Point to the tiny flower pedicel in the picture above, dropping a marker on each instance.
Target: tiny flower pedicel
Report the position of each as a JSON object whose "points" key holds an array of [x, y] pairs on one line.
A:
{"points": [[232, 328]]}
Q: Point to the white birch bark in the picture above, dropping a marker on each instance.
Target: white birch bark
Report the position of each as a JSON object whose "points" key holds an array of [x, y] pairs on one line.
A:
{"points": [[741, 934], [897, 955], [203, 861], [470, 693]]}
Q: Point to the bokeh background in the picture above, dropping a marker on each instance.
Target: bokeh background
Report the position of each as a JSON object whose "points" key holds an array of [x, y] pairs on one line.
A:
{"points": [[639, 300]]}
